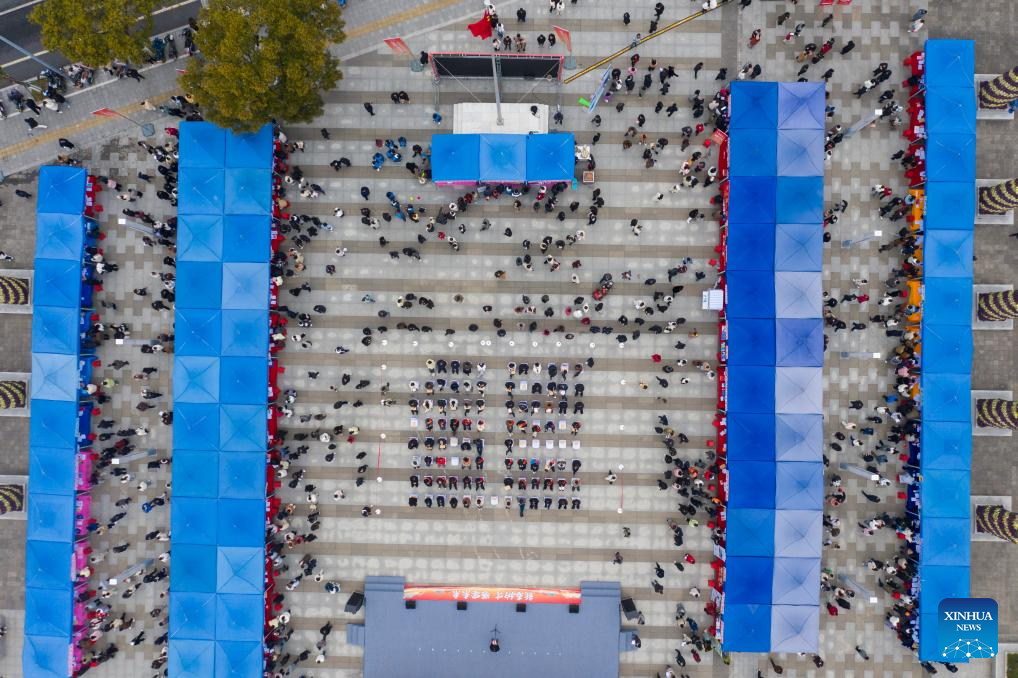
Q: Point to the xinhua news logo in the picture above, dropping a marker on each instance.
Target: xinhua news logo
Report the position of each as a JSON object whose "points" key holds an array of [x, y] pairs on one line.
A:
{"points": [[967, 628]]}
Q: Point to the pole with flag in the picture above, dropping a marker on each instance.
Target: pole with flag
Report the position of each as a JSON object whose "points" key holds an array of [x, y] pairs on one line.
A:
{"points": [[564, 36], [147, 129], [399, 46]]}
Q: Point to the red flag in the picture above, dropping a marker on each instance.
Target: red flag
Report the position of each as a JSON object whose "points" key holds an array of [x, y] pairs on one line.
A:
{"points": [[481, 29], [398, 46], [106, 113], [563, 35]]}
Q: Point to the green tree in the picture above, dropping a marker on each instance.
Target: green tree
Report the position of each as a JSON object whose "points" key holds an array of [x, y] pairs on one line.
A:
{"points": [[97, 31], [262, 60]]}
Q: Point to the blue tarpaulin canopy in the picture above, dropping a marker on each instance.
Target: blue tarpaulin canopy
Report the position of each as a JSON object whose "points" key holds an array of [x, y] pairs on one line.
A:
{"points": [[742, 580], [797, 534], [198, 331], [202, 145], [750, 247], [48, 564], [751, 437], [750, 294], [245, 286], [951, 111], [57, 283], [455, 158], [801, 105], [747, 628], [200, 237], [241, 521], [199, 284], [248, 191], [195, 426], [795, 580], [947, 349], [201, 191], [946, 541], [48, 613], [950, 63], [751, 485], [54, 423], [945, 493], [195, 473], [950, 205], [550, 157], [754, 106], [240, 569], [800, 200], [799, 342], [947, 301], [798, 390], [195, 379], [503, 157], [243, 428], [243, 380], [59, 236], [753, 154], [193, 567], [751, 389], [51, 471], [45, 657], [192, 616], [247, 238], [798, 485], [244, 333], [798, 247], [798, 294], [242, 475], [951, 157], [798, 437], [751, 342], [61, 189], [238, 659], [192, 659], [947, 445], [800, 153], [948, 254], [55, 329], [795, 628], [751, 532], [940, 582], [194, 520], [946, 397], [251, 149], [239, 617], [752, 200]]}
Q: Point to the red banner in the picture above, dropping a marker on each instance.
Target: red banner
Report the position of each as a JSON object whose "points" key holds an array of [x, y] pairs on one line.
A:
{"points": [[492, 594], [106, 113], [398, 46], [564, 36]]}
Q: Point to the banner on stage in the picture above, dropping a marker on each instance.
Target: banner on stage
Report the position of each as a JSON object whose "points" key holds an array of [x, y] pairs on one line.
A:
{"points": [[492, 594]]}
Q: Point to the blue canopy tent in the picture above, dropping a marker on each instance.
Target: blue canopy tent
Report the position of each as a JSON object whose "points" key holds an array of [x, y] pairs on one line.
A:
{"points": [[950, 63], [752, 200], [198, 284], [946, 445], [48, 564], [243, 428], [946, 397], [242, 475], [200, 237], [455, 158], [59, 236], [45, 657], [753, 155], [196, 473], [245, 333], [193, 520], [929, 643], [241, 522], [794, 581], [55, 330], [795, 628], [61, 189], [798, 533], [799, 342], [55, 377], [751, 389], [801, 105], [754, 106], [948, 254], [749, 294], [503, 158], [54, 423], [192, 659], [550, 157], [946, 541], [951, 111], [751, 437], [57, 283], [751, 485], [250, 149], [750, 247], [751, 342], [940, 582], [201, 191], [945, 493], [248, 191], [202, 144], [946, 349], [238, 659], [198, 331], [193, 616], [48, 613], [742, 580], [239, 617], [798, 485], [247, 238], [800, 153], [243, 380], [798, 294], [196, 379], [195, 426], [751, 532], [193, 568], [798, 437], [245, 286], [240, 569], [51, 470], [799, 200], [798, 390], [747, 628], [947, 301], [950, 205], [951, 157], [798, 247]]}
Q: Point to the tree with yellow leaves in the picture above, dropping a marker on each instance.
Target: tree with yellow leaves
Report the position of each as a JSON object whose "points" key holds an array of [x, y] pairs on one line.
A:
{"points": [[96, 32]]}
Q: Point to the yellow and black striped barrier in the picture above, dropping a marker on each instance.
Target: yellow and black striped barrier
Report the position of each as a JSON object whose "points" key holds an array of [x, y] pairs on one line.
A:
{"points": [[998, 521], [997, 413], [1000, 198], [997, 306], [13, 291], [13, 395], [1000, 91]]}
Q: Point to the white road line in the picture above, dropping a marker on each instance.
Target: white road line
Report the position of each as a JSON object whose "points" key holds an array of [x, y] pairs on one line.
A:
{"points": [[20, 7]]}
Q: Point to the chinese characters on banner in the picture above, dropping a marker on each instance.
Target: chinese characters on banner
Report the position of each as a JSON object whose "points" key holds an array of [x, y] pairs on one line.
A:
{"points": [[492, 594]]}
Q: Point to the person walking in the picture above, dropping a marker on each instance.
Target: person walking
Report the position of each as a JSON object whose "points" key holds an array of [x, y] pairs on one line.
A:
{"points": [[369, 108]]}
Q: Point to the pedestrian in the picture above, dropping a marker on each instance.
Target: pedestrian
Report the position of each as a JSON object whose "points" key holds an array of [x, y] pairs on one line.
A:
{"points": [[625, 18], [33, 124], [849, 46], [696, 69], [65, 143], [369, 108], [22, 194], [521, 15]]}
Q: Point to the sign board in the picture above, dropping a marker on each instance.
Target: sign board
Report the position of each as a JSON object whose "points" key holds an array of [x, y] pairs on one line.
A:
{"points": [[492, 594]]}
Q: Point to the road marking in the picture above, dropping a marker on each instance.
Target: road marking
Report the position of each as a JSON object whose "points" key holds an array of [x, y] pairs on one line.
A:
{"points": [[20, 7], [662, 31], [400, 17]]}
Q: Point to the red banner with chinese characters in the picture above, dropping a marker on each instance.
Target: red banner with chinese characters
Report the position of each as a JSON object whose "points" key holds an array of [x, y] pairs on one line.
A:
{"points": [[564, 36], [492, 594]]}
